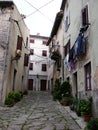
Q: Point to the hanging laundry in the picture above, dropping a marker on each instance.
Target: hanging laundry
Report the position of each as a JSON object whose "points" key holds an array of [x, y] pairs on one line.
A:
{"points": [[71, 54], [66, 59], [80, 44]]}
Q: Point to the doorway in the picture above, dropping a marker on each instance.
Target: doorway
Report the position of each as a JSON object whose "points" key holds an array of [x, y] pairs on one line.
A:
{"points": [[43, 85], [75, 84], [30, 84]]}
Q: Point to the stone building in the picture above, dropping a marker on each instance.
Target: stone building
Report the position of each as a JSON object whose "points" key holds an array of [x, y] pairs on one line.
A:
{"points": [[14, 36], [80, 25], [56, 47], [39, 60]]}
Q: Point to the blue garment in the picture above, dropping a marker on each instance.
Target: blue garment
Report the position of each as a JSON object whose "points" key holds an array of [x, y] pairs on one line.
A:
{"points": [[80, 44]]}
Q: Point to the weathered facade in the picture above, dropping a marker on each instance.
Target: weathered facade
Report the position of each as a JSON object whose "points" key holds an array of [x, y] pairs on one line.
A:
{"points": [[14, 36], [39, 60], [81, 25], [56, 46]]}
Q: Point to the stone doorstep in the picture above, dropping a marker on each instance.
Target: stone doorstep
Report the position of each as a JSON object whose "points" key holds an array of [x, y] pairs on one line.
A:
{"points": [[79, 120]]}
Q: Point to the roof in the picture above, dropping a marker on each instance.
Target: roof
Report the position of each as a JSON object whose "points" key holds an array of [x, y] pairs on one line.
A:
{"points": [[5, 3], [63, 5], [57, 21], [39, 37]]}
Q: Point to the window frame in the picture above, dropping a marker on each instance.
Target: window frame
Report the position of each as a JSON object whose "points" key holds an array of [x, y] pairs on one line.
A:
{"points": [[44, 67], [67, 48], [26, 59], [32, 41], [88, 77], [67, 21], [44, 42], [44, 53], [85, 16], [31, 66], [19, 42]]}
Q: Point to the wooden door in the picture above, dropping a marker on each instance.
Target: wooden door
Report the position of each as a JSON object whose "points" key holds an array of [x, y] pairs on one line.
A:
{"points": [[43, 85], [30, 84]]}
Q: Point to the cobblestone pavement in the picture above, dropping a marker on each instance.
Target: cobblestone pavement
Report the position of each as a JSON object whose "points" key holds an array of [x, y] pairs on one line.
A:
{"points": [[36, 111]]}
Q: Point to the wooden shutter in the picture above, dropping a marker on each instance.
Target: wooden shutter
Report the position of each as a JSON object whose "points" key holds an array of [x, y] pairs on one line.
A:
{"points": [[19, 43], [85, 16], [31, 66], [44, 42], [44, 53], [43, 67], [88, 77], [26, 59], [31, 40]]}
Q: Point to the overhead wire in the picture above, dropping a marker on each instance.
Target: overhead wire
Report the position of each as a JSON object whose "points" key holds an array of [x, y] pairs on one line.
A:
{"points": [[38, 9]]}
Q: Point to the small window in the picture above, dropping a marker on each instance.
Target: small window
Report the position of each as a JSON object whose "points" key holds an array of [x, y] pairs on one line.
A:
{"points": [[67, 22], [88, 77], [44, 42], [44, 53], [85, 20], [19, 43], [31, 40], [27, 42], [31, 51], [44, 67], [26, 59], [31, 66], [67, 48]]}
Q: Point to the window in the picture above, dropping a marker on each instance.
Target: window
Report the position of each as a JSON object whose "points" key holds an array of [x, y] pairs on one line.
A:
{"points": [[31, 51], [67, 48], [31, 40], [19, 43], [85, 20], [44, 68], [44, 53], [26, 59], [27, 42], [88, 77], [67, 22], [31, 66], [44, 42]]}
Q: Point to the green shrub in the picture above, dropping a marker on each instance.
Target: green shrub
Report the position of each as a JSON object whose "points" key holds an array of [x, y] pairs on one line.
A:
{"points": [[11, 95], [9, 102], [86, 107], [17, 96], [92, 124], [21, 93], [61, 90], [65, 89]]}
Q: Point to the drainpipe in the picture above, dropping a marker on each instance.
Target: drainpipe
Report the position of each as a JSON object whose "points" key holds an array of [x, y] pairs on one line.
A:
{"points": [[63, 55], [5, 65]]}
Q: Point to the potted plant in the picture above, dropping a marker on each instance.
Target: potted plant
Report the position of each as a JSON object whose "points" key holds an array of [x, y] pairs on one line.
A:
{"points": [[86, 109], [64, 101], [92, 124]]}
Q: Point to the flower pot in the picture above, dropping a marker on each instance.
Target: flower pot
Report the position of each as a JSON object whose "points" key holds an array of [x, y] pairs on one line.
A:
{"points": [[65, 104], [86, 117]]}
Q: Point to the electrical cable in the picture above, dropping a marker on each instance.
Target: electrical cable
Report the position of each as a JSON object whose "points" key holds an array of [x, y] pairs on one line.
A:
{"points": [[38, 10]]}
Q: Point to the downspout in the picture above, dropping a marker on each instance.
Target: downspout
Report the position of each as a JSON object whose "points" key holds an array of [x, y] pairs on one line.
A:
{"points": [[63, 55], [5, 64]]}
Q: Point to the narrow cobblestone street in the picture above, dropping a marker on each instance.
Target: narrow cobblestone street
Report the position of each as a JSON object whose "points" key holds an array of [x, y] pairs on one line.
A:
{"points": [[36, 111]]}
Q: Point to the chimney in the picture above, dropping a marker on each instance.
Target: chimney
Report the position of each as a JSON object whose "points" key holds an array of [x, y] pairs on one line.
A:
{"points": [[38, 34]]}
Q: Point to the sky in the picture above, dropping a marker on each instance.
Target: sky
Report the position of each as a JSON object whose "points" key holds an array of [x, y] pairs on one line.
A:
{"points": [[39, 21]]}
